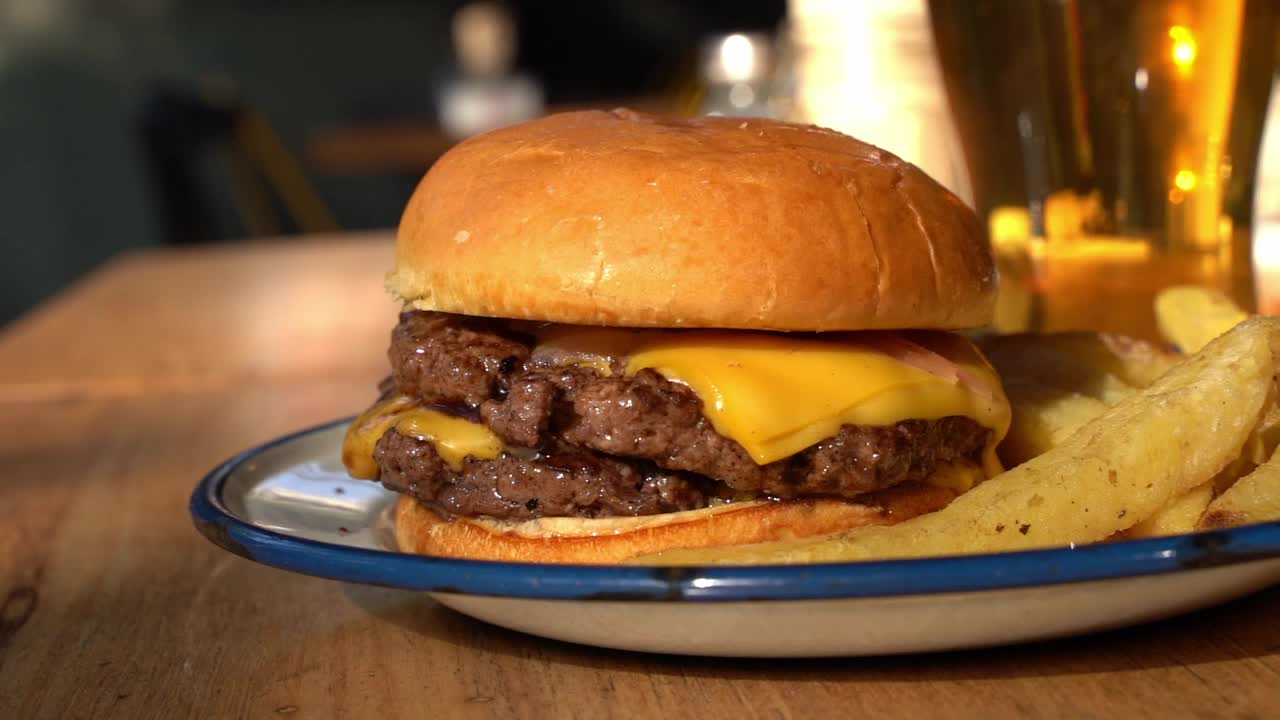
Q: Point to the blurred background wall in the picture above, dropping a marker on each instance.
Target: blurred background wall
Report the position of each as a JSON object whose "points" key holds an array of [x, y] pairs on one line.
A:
{"points": [[138, 123], [121, 120]]}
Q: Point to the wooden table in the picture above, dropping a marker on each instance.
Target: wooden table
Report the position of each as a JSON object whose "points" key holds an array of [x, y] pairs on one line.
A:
{"points": [[119, 394]]}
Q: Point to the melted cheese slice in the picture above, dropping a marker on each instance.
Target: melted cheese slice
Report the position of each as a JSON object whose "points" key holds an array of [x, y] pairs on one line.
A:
{"points": [[777, 396], [454, 438]]}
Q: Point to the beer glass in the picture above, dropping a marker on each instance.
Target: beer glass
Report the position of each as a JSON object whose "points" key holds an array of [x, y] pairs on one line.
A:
{"points": [[1111, 146]]}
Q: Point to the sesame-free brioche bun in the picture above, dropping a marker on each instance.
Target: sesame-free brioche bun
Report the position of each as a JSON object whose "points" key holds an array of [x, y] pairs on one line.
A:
{"points": [[610, 540], [621, 218]]}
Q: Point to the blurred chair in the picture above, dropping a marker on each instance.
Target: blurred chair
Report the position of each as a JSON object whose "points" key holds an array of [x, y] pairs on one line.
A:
{"points": [[271, 192]]}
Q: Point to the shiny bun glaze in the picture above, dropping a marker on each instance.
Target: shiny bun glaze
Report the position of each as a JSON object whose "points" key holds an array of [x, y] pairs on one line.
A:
{"points": [[621, 218]]}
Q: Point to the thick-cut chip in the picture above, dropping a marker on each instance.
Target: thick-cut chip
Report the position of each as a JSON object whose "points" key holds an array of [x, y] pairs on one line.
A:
{"points": [[1057, 383], [1253, 498], [1190, 317], [1266, 437], [1258, 448], [1043, 418], [1180, 515], [1137, 362], [1111, 474]]}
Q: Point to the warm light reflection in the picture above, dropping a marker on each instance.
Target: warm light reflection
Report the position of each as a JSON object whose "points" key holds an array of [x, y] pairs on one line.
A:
{"points": [[738, 58], [1185, 180], [741, 95], [1266, 262], [1140, 79], [1010, 227], [1225, 229], [1099, 251], [1184, 47], [1067, 213]]}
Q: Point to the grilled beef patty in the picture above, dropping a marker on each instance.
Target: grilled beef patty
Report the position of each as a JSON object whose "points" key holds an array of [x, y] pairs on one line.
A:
{"points": [[566, 483], [614, 445]]}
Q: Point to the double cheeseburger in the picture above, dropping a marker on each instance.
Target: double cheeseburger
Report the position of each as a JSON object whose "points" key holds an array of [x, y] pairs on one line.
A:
{"points": [[624, 334]]}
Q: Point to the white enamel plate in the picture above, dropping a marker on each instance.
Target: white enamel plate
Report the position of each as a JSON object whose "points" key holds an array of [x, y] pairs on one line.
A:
{"points": [[290, 504]]}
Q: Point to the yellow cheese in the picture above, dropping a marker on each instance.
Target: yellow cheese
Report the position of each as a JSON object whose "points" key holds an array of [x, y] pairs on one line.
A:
{"points": [[453, 438], [957, 475]]}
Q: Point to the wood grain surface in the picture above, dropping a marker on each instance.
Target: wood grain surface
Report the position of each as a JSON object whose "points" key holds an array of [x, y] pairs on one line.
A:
{"points": [[187, 319], [117, 397]]}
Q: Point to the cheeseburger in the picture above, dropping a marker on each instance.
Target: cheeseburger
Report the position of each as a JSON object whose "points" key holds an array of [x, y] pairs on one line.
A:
{"points": [[624, 334]]}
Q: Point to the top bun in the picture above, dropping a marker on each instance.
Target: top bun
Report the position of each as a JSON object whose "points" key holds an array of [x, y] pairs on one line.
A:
{"points": [[621, 218]]}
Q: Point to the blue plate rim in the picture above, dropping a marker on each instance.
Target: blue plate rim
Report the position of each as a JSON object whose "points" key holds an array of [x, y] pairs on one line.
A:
{"points": [[717, 583]]}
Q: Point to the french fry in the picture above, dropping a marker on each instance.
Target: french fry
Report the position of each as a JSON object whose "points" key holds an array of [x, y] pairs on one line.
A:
{"points": [[1043, 418], [1253, 498], [1057, 383], [1112, 473], [1180, 515], [1190, 316]]}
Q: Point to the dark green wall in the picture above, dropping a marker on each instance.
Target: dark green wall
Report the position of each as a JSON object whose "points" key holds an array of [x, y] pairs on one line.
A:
{"points": [[74, 184]]}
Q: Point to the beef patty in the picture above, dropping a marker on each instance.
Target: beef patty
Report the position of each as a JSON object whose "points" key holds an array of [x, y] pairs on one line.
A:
{"points": [[569, 482], [614, 445]]}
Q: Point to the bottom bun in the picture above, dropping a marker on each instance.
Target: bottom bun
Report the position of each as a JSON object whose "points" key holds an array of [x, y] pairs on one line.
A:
{"points": [[609, 540]]}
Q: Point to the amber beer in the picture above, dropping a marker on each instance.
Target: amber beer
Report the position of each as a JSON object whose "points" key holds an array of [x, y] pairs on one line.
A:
{"points": [[1111, 146]]}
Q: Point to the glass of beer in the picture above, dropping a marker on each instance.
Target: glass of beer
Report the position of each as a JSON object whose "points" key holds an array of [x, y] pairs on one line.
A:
{"points": [[1111, 147]]}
